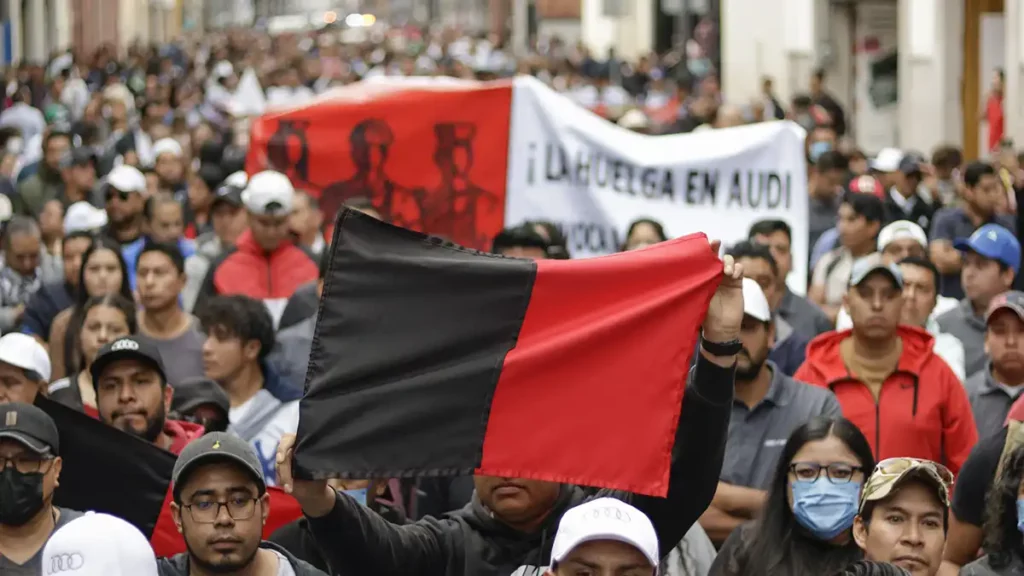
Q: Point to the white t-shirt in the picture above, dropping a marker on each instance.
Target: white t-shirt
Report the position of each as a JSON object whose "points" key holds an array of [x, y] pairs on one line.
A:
{"points": [[285, 421]]}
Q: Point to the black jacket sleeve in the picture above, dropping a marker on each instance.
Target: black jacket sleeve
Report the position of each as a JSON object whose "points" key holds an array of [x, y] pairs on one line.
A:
{"points": [[356, 540], [697, 456]]}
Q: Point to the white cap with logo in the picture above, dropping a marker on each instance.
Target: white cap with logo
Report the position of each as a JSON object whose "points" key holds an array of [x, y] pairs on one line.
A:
{"points": [[901, 230], [22, 351], [98, 545], [605, 519], [84, 217], [755, 304], [269, 192]]}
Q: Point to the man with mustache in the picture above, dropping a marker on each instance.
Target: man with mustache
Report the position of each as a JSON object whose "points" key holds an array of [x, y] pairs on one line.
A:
{"points": [[993, 390], [766, 408], [133, 395]]}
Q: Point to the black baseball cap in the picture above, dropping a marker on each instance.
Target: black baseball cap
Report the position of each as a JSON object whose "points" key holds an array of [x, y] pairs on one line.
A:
{"points": [[79, 156], [230, 194], [127, 348], [192, 393], [217, 447], [30, 426]]}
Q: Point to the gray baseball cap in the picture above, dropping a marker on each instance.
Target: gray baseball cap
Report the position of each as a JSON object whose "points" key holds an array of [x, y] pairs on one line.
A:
{"points": [[868, 265], [217, 447]]}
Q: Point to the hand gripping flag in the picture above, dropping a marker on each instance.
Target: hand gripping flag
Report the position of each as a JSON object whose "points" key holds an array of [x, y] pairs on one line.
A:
{"points": [[106, 470], [433, 359]]}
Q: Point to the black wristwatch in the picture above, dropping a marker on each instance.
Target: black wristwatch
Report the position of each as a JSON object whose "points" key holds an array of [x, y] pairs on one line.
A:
{"points": [[730, 348]]}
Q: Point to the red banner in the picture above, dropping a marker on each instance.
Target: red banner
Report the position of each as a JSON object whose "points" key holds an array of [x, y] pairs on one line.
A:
{"points": [[430, 157]]}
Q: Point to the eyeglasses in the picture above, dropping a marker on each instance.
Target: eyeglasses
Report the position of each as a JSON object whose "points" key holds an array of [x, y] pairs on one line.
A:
{"points": [[207, 511], [836, 473], [24, 465]]}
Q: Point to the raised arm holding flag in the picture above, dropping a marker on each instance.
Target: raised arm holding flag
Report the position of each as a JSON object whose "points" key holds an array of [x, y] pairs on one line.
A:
{"points": [[577, 368]]}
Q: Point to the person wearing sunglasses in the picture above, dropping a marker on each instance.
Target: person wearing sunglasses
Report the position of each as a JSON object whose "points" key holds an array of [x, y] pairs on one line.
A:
{"points": [[220, 504], [904, 513], [805, 525], [123, 194]]}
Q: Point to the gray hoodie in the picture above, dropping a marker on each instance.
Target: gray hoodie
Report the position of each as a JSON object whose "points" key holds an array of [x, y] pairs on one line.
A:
{"points": [[178, 565]]}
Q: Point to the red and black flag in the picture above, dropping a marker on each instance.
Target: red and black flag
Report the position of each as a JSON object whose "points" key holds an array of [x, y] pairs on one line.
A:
{"points": [[107, 470], [433, 359]]}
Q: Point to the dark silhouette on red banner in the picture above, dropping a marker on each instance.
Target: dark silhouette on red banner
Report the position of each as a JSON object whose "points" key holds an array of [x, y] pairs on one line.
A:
{"points": [[429, 159]]}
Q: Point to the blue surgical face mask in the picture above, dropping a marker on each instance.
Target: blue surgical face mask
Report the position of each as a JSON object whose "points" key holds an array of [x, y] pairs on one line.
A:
{"points": [[357, 495], [824, 508], [818, 148], [1020, 515]]}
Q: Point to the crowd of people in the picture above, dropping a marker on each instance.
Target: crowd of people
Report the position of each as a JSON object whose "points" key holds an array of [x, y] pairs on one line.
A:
{"points": [[148, 281]]}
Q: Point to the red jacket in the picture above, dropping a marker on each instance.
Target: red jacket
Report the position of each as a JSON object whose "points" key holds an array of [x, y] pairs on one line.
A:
{"points": [[922, 411], [181, 433], [247, 269]]}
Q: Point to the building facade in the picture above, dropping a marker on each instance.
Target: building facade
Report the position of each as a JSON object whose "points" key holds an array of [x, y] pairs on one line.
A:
{"points": [[910, 73]]}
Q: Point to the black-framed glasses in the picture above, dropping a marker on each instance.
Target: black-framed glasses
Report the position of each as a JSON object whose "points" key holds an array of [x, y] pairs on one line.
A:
{"points": [[207, 511], [837, 473], [29, 465]]}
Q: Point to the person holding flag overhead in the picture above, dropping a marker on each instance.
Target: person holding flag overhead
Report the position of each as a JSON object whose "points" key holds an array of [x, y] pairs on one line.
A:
{"points": [[544, 417]]}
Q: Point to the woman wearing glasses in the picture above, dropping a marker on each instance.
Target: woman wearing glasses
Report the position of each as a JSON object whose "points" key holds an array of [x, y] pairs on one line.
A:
{"points": [[1004, 523], [904, 511], [804, 527]]}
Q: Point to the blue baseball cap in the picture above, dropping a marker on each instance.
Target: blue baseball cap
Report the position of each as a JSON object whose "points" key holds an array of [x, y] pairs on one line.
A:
{"points": [[995, 243]]}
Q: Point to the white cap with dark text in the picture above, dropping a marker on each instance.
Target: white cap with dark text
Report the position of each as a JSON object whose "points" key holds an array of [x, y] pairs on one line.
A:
{"points": [[605, 519], [99, 545]]}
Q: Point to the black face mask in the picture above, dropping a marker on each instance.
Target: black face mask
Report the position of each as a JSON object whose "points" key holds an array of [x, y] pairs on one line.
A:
{"points": [[21, 496]]}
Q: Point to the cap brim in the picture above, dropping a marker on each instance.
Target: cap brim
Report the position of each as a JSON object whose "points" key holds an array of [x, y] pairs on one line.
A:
{"points": [[1018, 310], [607, 536], [964, 245], [32, 443], [101, 363], [914, 473], [877, 270], [212, 457]]}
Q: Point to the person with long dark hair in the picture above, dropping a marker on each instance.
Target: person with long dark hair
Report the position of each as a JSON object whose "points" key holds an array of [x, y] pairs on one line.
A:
{"points": [[103, 272], [1004, 523], [105, 318], [804, 527]]}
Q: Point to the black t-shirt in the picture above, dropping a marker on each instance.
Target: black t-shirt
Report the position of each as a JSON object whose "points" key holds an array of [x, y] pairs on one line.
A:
{"points": [[976, 477]]}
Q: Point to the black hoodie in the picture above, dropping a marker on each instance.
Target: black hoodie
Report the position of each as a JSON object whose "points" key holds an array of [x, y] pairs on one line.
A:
{"points": [[471, 542], [178, 565]]}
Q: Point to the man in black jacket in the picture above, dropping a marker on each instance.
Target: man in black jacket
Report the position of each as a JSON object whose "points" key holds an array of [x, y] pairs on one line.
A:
{"points": [[509, 527]]}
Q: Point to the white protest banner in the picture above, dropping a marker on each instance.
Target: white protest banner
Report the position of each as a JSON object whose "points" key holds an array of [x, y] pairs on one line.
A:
{"points": [[593, 178], [462, 159]]}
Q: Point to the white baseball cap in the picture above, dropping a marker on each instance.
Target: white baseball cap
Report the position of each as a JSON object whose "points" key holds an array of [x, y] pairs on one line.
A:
{"points": [[901, 230], [755, 304], [23, 351], [269, 192], [605, 519], [127, 179], [82, 216], [98, 545], [887, 160], [237, 179], [167, 146]]}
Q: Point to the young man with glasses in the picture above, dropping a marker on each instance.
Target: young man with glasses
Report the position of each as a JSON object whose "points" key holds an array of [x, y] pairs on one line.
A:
{"points": [[904, 513], [29, 472], [220, 505]]}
